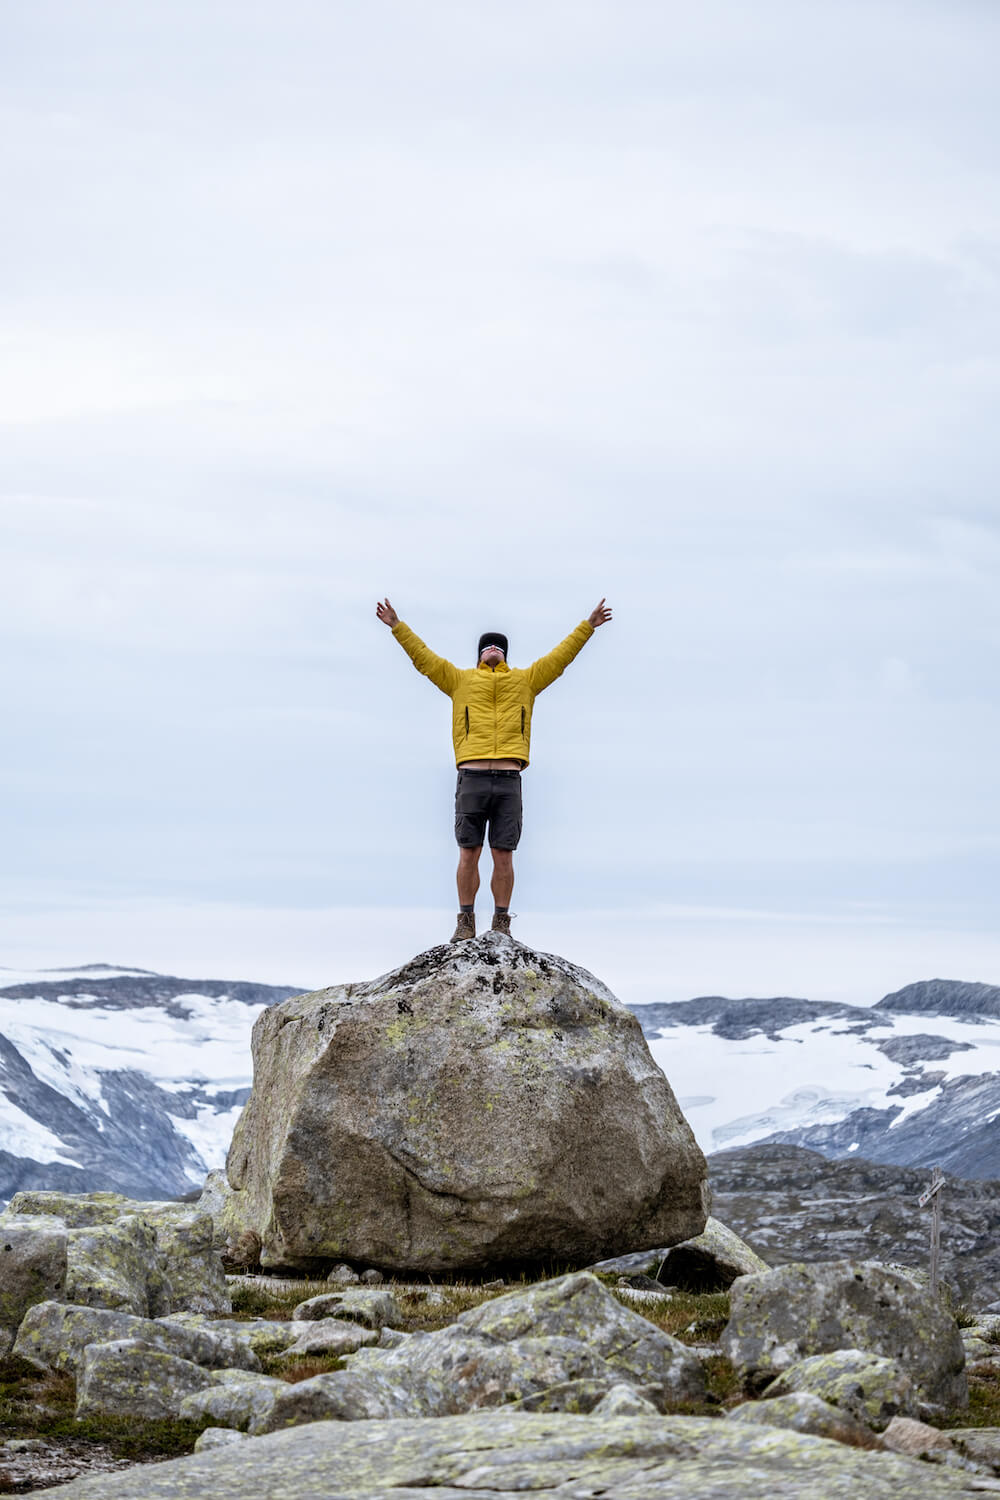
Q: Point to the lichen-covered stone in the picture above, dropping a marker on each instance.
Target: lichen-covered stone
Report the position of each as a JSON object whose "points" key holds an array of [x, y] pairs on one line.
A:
{"points": [[32, 1269], [263, 1335], [782, 1316], [374, 1309], [131, 1379], [332, 1336], [113, 1262], [192, 1267], [569, 1395], [580, 1307], [217, 1437], [871, 1388], [801, 1411], [115, 1266], [506, 1455], [77, 1210], [345, 1396], [53, 1336], [234, 1400], [624, 1401], [482, 1103]]}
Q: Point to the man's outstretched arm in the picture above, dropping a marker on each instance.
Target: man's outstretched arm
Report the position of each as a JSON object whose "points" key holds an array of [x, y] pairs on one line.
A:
{"points": [[442, 673], [547, 668]]}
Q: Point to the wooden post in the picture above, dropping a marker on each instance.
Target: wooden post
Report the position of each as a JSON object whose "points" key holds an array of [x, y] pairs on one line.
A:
{"points": [[933, 1196]]}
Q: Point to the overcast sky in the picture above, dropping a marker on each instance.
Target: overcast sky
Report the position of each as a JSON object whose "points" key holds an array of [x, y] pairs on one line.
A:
{"points": [[497, 309]]}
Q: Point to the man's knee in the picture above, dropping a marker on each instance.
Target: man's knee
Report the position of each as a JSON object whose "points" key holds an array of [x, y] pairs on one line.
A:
{"points": [[469, 856], [503, 859]]}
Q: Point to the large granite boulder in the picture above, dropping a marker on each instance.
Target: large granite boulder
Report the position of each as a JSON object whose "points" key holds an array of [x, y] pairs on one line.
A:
{"points": [[483, 1104]]}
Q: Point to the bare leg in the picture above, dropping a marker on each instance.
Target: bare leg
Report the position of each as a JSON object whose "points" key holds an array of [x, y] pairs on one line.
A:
{"points": [[468, 875], [502, 884]]}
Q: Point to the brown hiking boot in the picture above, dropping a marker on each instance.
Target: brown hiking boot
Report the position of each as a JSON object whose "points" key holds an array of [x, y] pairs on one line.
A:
{"points": [[501, 922], [466, 927]]}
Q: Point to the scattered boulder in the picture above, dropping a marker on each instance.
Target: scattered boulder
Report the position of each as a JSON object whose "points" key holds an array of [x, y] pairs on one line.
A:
{"points": [[783, 1316], [343, 1276], [871, 1388], [149, 1259], [131, 1379], [116, 1266], [562, 1344], [371, 1308], [482, 1104], [801, 1411], [711, 1261], [33, 1259], [332, 1336], [53, 1336], [579, 1307], [234, 1400]]}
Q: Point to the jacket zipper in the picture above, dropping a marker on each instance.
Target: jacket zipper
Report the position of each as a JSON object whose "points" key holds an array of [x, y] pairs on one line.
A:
{"points": [[522, 721], [466, 721]]}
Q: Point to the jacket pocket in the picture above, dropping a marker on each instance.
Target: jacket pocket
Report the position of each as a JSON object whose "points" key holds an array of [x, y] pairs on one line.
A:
{"points": [[466, 721], [522, 721]]}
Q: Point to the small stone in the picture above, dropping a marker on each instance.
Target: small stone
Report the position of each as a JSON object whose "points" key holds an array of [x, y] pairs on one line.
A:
{"points": [[624, 1401], [371, 1277], [905, 1435], [343, 1276], [368, 1305], [25, 1445], [218, 1437], [494, 1286], [331, 1336]]}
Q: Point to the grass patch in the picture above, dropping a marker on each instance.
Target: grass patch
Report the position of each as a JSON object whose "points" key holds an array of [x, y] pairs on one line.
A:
{"points": [[262, 1301], [39, 1405], [302, 1366], [692, 1317], [984, 1400]]}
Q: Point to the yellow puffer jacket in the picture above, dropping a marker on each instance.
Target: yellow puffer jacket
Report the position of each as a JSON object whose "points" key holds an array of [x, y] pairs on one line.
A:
{"points": [[491, 707]]}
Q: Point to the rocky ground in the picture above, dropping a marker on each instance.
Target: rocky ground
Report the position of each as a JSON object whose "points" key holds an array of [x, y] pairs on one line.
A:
{"points": [[790, 1203]]}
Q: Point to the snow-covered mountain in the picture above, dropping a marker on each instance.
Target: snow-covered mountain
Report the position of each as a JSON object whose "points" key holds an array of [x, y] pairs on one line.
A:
{"points": [[913, 1080], [123, 1079]]}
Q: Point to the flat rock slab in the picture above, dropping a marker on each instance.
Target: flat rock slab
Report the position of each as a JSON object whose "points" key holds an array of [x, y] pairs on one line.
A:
{"points": [[497, 1456]]}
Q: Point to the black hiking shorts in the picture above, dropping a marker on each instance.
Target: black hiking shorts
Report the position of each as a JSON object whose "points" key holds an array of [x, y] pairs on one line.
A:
{"points": [[488, 797]]}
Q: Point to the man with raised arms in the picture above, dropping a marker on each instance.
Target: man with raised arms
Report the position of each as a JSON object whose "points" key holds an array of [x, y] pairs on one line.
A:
{"points": [[491, 706]]}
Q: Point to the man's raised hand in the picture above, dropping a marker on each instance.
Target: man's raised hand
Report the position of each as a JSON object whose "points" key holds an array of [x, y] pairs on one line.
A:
{"points": [[388, 615], [599, 616]]}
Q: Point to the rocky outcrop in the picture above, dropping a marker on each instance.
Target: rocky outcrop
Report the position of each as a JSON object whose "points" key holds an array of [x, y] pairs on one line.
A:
{"points": [[786, 1315], [502, 1455], [567, 1341], [484, 1104], [793, 1205], [149, 1259], [53, 1336]]}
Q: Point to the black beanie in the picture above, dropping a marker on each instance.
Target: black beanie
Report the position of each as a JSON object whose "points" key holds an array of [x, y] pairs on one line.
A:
{"points": [[492, 638]]}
